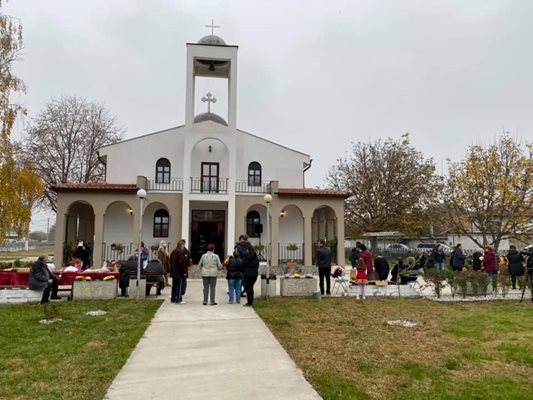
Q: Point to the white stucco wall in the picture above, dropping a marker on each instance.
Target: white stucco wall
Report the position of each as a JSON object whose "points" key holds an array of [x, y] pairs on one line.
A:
{"points": [[278, 163], [118, 224], [137, 157], [291, 227]]}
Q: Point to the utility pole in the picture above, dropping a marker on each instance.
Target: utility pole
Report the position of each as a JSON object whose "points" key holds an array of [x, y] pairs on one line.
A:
{"points": [[47, 230]]}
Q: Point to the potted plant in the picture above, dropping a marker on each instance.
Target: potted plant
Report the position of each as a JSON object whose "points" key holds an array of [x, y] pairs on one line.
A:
{"points": [[291, 248], [118, 247]]}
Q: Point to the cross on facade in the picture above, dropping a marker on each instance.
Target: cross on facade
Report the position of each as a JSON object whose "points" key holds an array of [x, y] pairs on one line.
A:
{"points": [[212, 26], [209, 98]]}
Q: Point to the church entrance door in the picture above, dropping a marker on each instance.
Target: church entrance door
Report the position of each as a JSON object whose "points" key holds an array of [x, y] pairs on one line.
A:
{"points": [[207, 226]]}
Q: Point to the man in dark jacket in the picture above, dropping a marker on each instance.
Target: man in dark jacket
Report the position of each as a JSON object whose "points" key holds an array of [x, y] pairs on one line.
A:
{"points": [[41, 278], [516, 264], [323, 262], [180, 260], [476, 260], [83, 254], [381, 265], [127, 269], [457, 258], [155, 272]]}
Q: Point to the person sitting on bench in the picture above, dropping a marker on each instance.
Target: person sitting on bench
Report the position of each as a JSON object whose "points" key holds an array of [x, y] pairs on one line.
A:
{"points": [[41, 278], [155, 272], [127, 268]]}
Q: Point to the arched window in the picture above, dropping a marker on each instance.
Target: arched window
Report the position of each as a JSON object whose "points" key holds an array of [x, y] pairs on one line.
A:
{"points": [[253, 224], [254, 174], [161, 223], [162, 171]]}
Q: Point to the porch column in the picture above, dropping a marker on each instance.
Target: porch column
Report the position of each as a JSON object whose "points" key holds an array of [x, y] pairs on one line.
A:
{"points": [[308, 240], [135, 228], [98, 238], [274, 217], [60, 239], [340, 238], [185, 221]]}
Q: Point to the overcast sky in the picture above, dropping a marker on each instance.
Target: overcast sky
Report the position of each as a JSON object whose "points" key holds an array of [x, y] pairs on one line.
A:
{"points": [[314, 76]]}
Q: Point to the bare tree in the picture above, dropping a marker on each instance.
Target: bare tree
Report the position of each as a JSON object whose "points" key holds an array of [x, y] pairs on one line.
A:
{"points": [[391, 186], [489, 195], [63, 141]]}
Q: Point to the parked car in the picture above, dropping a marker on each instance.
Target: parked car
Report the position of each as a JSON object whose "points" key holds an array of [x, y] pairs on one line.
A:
{"points": [[428, 247], [398, 248]]}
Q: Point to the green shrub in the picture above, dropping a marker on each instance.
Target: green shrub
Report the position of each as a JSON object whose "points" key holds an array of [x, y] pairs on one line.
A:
{"points": [[504, 281], [436, 279]]}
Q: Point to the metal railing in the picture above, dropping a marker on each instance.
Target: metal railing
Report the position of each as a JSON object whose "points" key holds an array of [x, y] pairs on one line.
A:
{"points": [[173, 185], [285, 255], [209, 185], [243, 186], [112, 252]]}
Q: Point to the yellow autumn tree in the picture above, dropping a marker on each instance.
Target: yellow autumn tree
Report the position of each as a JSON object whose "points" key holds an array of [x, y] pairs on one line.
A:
{"points": [[489, 195], [19, 185]]}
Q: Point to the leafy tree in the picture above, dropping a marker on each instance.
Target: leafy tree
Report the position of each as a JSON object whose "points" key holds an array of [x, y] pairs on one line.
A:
{"points": [[489, 195], [64, 137], [392, 187], [19, 186]]}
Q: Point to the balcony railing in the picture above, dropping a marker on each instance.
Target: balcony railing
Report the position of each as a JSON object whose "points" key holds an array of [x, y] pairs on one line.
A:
{"points": [[209, 185], [206, 185], [245, 187], [173, 185]]}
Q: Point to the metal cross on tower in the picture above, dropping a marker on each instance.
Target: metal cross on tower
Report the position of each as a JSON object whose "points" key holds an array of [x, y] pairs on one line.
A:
{"points": [[209, 98], [212, 26]]}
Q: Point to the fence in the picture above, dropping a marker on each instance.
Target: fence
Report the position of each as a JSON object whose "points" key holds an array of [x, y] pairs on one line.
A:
{"points": [[284, 254]]}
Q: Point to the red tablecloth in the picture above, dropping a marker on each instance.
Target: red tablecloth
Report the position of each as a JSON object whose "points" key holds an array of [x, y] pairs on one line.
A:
{"points": [[67, 278]]}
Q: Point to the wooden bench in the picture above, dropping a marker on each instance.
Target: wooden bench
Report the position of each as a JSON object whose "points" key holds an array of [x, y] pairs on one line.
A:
{"points": [[152, 280]]}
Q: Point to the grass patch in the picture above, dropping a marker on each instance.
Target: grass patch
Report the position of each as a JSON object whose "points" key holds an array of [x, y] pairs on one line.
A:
{"points": [[457, 351], [76, 358]]}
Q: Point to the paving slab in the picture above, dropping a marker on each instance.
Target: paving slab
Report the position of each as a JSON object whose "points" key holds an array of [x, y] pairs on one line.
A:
{"points": [[221, 352]]}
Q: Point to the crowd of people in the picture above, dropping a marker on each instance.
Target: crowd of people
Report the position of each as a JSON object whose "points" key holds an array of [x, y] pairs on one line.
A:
{"points": [[406, 270], [242, 270]]}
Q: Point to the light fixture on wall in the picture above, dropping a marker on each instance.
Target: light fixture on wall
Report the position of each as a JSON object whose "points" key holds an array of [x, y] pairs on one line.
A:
{"points": [[130, 211], [210, 148], [283, 214]]}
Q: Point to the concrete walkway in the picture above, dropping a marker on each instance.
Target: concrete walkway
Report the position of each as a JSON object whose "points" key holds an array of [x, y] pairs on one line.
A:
{"points": [[218, 352]]}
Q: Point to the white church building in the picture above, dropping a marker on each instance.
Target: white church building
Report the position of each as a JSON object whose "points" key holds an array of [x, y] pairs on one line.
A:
{"points": [[205, 182]]}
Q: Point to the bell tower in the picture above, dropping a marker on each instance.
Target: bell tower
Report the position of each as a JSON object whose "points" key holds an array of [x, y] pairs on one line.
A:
{"points": [[211, 58]]}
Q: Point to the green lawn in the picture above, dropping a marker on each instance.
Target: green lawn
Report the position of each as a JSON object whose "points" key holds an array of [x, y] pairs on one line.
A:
{"points": [[14, 255], [76, 358], [457, 351]]}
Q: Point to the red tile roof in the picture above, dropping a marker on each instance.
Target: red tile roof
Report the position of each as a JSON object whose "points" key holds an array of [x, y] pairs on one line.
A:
{"points": [[305, 192], [95, 187]]}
